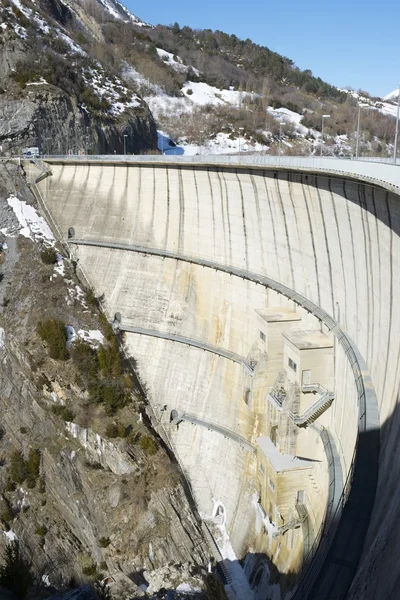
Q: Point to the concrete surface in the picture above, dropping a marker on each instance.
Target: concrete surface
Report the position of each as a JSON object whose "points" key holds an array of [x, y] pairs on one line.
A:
{"points": [[332, 240]]}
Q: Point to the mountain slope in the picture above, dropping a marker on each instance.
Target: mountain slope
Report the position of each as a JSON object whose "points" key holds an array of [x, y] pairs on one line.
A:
{"points": [[79, 76], [120, 12], [55, 93], [392, 96]]}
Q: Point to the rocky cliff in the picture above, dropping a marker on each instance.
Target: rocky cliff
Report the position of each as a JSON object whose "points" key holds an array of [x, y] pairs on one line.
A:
{"points": [[96, 506], [56, 96]]}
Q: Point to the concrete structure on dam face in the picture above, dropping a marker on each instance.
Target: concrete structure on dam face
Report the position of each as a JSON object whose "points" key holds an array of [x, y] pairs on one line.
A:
{"points": [[334, 240]]}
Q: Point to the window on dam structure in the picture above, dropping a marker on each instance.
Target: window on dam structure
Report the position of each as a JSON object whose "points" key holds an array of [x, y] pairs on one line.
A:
{"points": [[274, 434], [292, 365]]}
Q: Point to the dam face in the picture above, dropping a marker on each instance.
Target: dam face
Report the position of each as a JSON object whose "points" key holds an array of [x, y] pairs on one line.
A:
{"points": [[255, 393]]}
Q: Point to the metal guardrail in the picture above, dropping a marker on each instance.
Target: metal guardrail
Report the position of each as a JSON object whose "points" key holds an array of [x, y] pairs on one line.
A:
{"points": [[314, 559], [225, 431], [312, 413], [276, 399], [377, 172], [180, 339]]}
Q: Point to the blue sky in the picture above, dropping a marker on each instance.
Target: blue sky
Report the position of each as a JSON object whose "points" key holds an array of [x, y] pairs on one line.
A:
{"points": [[347, 43]]}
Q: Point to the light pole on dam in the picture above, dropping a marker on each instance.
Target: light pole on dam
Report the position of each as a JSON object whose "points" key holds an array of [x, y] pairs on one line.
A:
{"points": [[243, 355]]}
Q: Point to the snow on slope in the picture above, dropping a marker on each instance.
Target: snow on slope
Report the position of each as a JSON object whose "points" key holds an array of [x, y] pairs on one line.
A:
{"points": [[175, 61], [219, 143], [74, 47], [194, 94], [289, 116], [113, 90], [9, 22], [392, 96], [120, 12], [387, 105], [31, 224]]}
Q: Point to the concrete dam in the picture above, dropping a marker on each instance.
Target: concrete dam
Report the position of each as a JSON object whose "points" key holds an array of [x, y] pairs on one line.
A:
{"points": [[259, 302]]}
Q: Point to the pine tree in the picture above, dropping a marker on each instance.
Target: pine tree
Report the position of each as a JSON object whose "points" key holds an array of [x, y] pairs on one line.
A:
{"points": [[15, 572], [214, 588]]}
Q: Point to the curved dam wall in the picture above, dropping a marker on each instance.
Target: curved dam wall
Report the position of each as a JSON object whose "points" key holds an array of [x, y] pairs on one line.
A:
{"points": [[332, 239]]}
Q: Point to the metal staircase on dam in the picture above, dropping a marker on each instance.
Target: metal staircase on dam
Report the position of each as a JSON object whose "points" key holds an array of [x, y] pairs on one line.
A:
{"points": [[317, 409], [212, 544], [277, 396]]}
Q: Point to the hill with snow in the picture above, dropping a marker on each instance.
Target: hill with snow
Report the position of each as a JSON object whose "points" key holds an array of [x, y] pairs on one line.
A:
{"points": [[206, 91], [392, 96], [121, 13]]}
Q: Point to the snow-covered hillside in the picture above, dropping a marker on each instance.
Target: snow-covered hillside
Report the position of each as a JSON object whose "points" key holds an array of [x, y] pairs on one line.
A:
{"points": [[200, 107], [392, 96], [386, 105], [120, 12]]}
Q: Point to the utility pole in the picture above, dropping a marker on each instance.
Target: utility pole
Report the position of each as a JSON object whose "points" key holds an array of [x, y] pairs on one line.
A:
{"points": [[240, 149], [322, 130], [397, 129], [358, 131], [360, 106], [280, 138]]}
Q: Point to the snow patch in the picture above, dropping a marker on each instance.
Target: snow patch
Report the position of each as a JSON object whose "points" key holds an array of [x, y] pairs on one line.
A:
{"points": [[175, 62], [94, 337], [32, 225], [60, 267], [186, 587], [121, 13], [76, 293], [118, 95], [288, 116], [74, 47], [2, 338], [40, 82], [25, 10], [220, 143], [392, 96], [11, 535], [133, 17], [194, 94]]}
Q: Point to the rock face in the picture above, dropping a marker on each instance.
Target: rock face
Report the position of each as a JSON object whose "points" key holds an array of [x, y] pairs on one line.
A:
{"points": [[102, 504], [85, 503], [43, 115], [50, 119]]}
